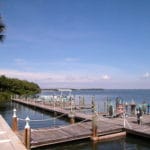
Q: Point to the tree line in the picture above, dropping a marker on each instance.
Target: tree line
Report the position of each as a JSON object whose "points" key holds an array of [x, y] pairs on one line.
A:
{"points": [[13, 86]]}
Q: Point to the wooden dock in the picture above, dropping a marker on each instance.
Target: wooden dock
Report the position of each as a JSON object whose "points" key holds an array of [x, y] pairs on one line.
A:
{"points": [[77, 131], [132, 127], [106, 127], [58, 110], [8, 139]]}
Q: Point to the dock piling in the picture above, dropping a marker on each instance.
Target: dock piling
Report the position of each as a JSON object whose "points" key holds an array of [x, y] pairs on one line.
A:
{"points": [[126, 107], [14, 121], [94, 120], [72, 119], [148, 109], [93, 105], [124, 121], [71, 115], [27, 134], [133, 107], [94, 127]]}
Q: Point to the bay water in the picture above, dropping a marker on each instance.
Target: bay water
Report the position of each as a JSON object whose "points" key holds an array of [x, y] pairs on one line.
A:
{"points": [[129, 143]]}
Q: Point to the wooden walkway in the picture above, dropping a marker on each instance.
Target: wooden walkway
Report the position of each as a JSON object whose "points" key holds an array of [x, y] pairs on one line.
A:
{"points": [[132, 127], [58, 110], [8, 139], [78, 131], [83, 130]]}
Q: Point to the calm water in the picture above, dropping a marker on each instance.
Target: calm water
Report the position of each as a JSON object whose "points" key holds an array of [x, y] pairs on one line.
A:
{"points": [[130, 143], [139, 96]]}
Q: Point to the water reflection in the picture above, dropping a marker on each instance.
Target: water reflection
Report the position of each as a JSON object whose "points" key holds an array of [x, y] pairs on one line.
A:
{"points": [[36, 116], [130, 143]]}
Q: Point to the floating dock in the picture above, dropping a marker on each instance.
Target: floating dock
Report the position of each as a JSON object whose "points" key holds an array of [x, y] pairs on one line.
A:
{"points": [[106, 128], [68, 133]]}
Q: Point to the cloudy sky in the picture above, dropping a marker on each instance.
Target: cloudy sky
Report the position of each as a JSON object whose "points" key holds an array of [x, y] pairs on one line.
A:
{"points": [[77, 43]]}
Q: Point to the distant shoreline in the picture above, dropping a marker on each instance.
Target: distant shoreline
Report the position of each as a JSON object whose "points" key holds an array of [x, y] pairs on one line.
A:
{"points": [[73, 89], [83, 89]]}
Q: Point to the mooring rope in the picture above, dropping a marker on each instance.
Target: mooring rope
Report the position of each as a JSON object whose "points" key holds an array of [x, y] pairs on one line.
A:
{"points": [[63, 127], [105, 119], [99, 118], [128, 124], [50, 119]]}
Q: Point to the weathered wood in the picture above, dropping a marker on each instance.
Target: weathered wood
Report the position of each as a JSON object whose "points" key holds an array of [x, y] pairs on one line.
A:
{"points": [[14, 124], [106, 127], [49, 136], [14, 121], [58, 110], [8, 139], [110, 137], [132, 126]]}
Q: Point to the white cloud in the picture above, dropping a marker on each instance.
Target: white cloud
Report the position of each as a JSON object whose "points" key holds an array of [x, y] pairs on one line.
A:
{"points": [[146, 75], [21, 74], [48, 77], [56, 78], [105, 77], [78, 79]]}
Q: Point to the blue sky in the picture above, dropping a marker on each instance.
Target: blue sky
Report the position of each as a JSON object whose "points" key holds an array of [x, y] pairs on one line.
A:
{"points": [[77, 43]]}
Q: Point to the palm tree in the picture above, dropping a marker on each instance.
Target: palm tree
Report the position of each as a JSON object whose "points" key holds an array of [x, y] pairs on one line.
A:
{"points": [[2, 28]]}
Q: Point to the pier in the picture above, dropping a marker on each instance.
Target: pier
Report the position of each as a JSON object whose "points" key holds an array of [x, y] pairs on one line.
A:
{"points": [[8, 139], [89, 126]]}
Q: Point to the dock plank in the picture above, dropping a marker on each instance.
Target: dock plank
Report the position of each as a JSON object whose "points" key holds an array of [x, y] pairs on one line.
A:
{"points": [[105, 126], [8, 139], [67, 133]]}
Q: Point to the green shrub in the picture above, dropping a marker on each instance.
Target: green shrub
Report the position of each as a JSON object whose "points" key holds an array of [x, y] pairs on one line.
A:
{"points": [[4, 96]]}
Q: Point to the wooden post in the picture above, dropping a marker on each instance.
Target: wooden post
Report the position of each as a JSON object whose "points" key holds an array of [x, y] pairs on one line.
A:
{"points": [[93, 104], [148, 109], [124, 121], [126, 107], [14, 121], [72, 120], [133, 105], [83, 101], [61, 103], [55, 113], [98, 109], [94, 120], [133, 109], [72, 117], [107, 106], [94, 127], [27, 134], [105, 109]]}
